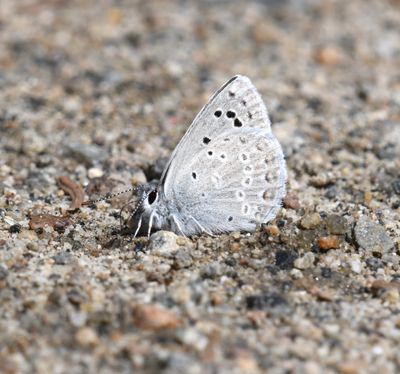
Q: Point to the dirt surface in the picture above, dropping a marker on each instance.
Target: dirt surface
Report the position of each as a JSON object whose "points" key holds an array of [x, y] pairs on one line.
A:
{"points": [[100, 92]]}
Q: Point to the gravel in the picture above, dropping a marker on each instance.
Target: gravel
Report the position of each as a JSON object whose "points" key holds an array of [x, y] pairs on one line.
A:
{"points": [[163, 243], [372, 237], [101, 92]]}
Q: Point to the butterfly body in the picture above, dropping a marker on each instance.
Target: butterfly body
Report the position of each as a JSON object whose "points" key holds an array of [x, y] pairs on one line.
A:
{"points": [[227, 173]]}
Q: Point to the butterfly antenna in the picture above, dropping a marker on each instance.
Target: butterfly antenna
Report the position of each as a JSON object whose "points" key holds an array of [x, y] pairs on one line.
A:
{"points": [[109, 196]]}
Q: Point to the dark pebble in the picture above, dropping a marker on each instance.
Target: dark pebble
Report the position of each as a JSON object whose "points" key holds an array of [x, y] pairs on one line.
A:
{"points": [[55, 297], [14, 229], [315, 104], [76, 296], [396, 187], [280, 223], [331, 192], [387, 152], [230, 261], [362, 94], [396, 205], [265, 300], [336, 224], [285, 259], [35, 103], [326, 272]]}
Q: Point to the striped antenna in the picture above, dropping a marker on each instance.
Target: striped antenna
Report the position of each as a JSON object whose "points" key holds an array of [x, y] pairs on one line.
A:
{"points": [[109, 196]]}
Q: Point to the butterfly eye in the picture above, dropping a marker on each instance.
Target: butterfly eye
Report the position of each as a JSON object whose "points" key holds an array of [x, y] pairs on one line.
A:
{"points": [[152, 197]]}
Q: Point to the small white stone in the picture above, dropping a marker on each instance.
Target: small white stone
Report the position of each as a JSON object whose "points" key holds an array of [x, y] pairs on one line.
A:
{"points": [[4, 170], [332, 329], [296, 274], [194, 338], [78, 318], [377, 350], [95, 173], [306, 261], [356, 266]]}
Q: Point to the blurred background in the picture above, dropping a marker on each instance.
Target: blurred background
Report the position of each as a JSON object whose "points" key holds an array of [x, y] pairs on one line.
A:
{"points": [[102, 91]]}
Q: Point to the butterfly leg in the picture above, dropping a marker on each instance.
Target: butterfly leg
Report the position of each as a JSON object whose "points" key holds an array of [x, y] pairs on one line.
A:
{"points": [[150, 224], [139, 225]]}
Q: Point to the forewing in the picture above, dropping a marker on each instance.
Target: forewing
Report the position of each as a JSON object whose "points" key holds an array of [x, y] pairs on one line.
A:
{"points": [[236, 105]]}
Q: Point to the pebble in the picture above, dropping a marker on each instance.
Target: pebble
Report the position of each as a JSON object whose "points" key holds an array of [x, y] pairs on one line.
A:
{"points": [[372, 236], [305, 261], [310, 221], [194, 339], [85, 153], [33, 144], [332, 329], [181, 294], [63, 258], [264, 33], [14, 229], [291, 201], [328, 55], [272, 230], [392, 296], [266, 300], [182, 259], [396, 187], [284, 259], [296, 274], [388, 291], [336, 224], [235, 247], [356, 266], [351, 367], [76, 296], [3, 272], [322, 180], [306, 239], [154, 317], [87, 337], [246, 362], [95, 173], [328, 242], [32, 246], [163, 244], [211, 270]]}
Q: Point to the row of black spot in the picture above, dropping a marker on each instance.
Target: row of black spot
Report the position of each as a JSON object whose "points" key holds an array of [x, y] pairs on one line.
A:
{"points": [[230, 114]]}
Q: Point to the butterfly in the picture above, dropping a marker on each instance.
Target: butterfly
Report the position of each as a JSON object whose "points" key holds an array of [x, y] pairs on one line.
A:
{"points": [[228, 172]]}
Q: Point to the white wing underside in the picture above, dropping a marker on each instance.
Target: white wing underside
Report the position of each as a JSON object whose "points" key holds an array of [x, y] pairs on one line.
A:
{"points": [[228, 171]]}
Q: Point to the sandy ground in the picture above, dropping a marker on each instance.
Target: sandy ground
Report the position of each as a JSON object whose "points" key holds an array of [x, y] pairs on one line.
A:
{"points": [[102, 91]]}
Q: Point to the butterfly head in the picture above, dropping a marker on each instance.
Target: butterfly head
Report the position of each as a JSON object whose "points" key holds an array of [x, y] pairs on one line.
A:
{"points": [[148, 197], [147, 213]]}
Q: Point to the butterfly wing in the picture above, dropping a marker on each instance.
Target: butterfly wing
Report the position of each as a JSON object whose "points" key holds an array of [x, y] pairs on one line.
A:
{"points": [[228, 172]]}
